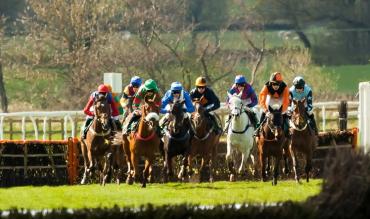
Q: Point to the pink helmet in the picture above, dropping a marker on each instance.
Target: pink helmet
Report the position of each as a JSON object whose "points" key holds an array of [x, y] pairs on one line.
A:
{"points": [[103, 89]]}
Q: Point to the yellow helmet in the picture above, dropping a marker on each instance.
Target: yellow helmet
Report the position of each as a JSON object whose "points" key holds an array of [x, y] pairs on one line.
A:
{"points": [[200, 82]]}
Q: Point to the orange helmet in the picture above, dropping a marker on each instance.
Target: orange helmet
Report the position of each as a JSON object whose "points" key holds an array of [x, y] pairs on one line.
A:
{"points": [[200, 82], [103, 89], [109, 87], [276, 77]]}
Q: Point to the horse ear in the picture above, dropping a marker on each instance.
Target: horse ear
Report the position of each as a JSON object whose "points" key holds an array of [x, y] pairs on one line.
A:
{"points": [[270, 109], [295, 101], [303, 100], [240, 94], [182, 101]]}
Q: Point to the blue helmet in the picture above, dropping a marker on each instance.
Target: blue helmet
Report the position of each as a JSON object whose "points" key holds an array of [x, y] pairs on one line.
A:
{"points": [[176, 86], [136, 81], [240, 79]]}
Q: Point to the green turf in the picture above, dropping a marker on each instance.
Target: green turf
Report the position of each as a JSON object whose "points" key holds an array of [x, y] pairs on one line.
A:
{"points": [[157, 194], [349, 76]]}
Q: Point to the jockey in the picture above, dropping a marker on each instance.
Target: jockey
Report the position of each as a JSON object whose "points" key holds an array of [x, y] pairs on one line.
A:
{"points": [[149, 88], [208, 100], [117, 105], [277, 89], [299, 91], [248, 96], [128, 95], [175, 93], [104, 90]]}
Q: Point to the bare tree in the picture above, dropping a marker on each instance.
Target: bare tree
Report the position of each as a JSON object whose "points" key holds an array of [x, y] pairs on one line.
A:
{"points": [[3, 97]]}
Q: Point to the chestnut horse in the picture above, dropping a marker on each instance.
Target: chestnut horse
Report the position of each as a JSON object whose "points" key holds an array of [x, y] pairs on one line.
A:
{"points": [[270, 141], [96, 148], [176, 140], [144, 142], [303, 137], [204, 142]]}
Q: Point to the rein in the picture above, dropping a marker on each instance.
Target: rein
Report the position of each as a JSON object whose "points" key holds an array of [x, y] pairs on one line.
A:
{"points": [[150, 137], [293, 126], [99, 133], [187, 134], [205, 137], [245, 129]]}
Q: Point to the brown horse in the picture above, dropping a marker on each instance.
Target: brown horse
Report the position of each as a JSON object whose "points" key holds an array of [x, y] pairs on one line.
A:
{"points": [[270, 142], [176, 141], [96, 148], [144, 142], [204, 142], [303, 138]]}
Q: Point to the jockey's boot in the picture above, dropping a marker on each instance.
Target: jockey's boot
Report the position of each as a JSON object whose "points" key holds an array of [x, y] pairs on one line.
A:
{"points": [[218, 130], [313, 124], [262, 121], [86, 127]]}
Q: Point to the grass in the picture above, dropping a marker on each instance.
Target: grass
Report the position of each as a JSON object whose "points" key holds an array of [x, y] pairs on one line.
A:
{"points": [[92, 196], [349, 76]]}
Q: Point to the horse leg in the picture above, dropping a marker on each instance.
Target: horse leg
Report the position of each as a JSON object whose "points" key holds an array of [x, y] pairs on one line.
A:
{"points": [[308, 165], [107, 168], [131, 177], [230, 163], [182, 173], [276, 170], [202, 170], [241, 168], [295, 163], [83, 151], [263, 167], [145, 173], [190, 160], [286, 161], [165, 168]]}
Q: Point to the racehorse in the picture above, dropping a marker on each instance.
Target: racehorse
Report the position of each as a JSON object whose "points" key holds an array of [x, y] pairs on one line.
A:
{"points": [[96, 148], [176, 140], [144, 142], [204, 141], [303, 138], [271, 141], [239, 135]]}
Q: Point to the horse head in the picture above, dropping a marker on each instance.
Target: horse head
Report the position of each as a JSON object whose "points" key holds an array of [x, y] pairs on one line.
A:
{"points": [[198, 117], [299, 117], [102, 111], [177, 116], [150, 101], [275, 119], [235, 105]]}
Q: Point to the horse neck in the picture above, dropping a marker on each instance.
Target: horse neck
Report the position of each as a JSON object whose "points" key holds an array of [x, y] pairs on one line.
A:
{"points": [[143, 129], [240, 122], [97, 126]]}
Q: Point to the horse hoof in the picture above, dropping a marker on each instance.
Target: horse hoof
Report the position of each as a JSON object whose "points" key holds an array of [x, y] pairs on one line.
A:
{"points": [[143, 185], [211, 180], [264, 179], [274, 182], [129, 181], [232, 178]]}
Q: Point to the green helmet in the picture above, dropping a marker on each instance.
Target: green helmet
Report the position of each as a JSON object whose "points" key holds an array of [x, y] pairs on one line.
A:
{"points": [[150, 85]]}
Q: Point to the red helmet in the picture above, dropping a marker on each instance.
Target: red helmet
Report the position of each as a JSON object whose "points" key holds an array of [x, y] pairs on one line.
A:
{"points": [[103, 89]]}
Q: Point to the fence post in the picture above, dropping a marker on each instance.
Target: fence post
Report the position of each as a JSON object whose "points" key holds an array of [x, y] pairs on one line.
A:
{"points": [[10, 129], [50, 129], [342, 110], [323, 112], [72, 160]]}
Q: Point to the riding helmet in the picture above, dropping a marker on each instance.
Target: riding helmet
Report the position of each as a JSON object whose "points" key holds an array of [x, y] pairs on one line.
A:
{"points": [[136, 81], [176, 86], [200, 82], [299, 82], [103, 89], [240, 79]]}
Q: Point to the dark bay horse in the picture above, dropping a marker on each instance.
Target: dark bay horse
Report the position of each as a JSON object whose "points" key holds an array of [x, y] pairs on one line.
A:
{"points": [[204, 142], [144, 142], [303, 138], [176, 140], [96, 148], [271, 141]]}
